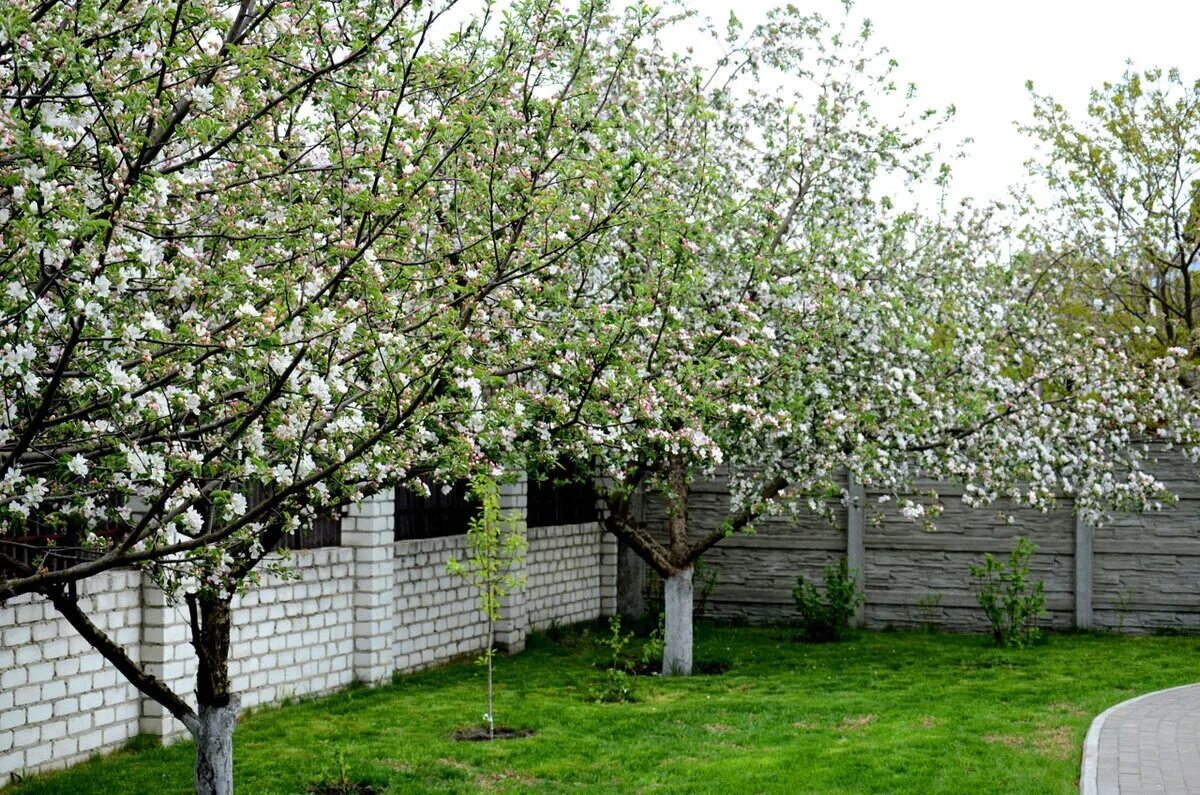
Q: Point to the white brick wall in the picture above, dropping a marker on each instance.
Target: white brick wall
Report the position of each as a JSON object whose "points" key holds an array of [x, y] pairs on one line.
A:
{"points": [[60, 701], [359, 611], [563, 566], [437, 615], [294, 637], [166, 654], [369, 529]]}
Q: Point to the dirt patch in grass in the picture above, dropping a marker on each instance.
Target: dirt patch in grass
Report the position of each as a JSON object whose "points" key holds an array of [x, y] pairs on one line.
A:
{"points": [[857, 721], [494, 781], [928, 722], [664, 696], [699, 668], [710, 667], [481, 734], [1054, 742], [1073, 710], [806, 725], [716, 728], [1011, 740], [342, 788]]}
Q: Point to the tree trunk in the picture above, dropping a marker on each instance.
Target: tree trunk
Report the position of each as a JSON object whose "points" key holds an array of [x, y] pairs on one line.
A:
{"points": [[677, 639], [677, 590], [491, 653], [213, 731], [212, 625], [674, 561]]}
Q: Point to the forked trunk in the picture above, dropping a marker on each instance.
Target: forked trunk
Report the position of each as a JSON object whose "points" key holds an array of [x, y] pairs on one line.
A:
{"points": [[213, 732], [212, 727], [677, 638]]}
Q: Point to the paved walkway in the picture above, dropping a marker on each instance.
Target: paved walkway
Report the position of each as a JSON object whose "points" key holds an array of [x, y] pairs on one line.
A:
{"points": [[1147, 744]]}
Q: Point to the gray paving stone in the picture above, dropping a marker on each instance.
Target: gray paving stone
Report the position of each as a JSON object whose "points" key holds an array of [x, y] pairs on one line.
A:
{"points": [[1145, 745]]}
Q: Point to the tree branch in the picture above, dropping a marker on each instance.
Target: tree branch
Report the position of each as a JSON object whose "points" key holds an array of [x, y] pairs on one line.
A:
{"points": [[68, 607]]}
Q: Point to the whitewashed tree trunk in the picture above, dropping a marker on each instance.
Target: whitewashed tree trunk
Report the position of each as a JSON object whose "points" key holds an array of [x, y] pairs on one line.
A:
{"points": [[677, 640], [212, 728]]}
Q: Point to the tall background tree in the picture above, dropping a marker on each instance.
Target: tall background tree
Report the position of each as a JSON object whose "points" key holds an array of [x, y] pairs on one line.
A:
{"points": [[1124, 196], [252, 259]]}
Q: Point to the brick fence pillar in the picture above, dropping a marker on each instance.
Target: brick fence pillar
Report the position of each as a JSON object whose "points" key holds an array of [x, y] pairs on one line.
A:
{"points": [[369, 528], [514, 619], [166, 654]]}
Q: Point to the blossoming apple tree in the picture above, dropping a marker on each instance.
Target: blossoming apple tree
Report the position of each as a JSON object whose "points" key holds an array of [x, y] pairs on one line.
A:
{"points": [[251, 258], [776, 317]]}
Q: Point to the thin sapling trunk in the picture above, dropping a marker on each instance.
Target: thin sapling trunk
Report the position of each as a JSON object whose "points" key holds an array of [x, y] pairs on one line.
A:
{"points": [[496, 546], [491, 652]]}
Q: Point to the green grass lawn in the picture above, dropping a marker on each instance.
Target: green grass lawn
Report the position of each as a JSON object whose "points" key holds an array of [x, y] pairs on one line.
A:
{"points": [[888, 712]]}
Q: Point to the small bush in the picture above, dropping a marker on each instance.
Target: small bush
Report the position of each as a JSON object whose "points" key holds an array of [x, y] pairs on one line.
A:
{"points": [[623, 661], [825, 618], [1012, 605], [339, 782], [614, 643], [615, 686]]}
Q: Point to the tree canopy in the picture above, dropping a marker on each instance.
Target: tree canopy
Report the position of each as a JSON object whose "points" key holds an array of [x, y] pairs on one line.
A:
{"points": [[261, 260], [1125, 207], [777, 315]]}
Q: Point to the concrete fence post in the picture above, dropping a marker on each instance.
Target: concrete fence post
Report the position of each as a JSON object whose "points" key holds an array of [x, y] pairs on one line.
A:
{"points": [[856, 551], [631, 583], [1084, 536], [369, 528], [609, 549]]}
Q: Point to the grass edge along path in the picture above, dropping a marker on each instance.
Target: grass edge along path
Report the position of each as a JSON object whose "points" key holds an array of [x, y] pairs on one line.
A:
{"points": [[886, 712]]}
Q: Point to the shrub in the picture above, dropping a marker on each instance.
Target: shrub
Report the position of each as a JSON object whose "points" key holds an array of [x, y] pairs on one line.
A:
{"points": [[1012, 605], [622, 662], [339, 782], [825, 618], [615, 686]]}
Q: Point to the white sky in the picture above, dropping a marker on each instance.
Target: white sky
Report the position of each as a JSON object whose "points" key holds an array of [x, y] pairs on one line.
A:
{"points": [[977, 55]]}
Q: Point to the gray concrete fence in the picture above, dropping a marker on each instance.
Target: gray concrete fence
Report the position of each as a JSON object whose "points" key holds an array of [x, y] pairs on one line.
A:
{"points": [[1134, 573]]}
